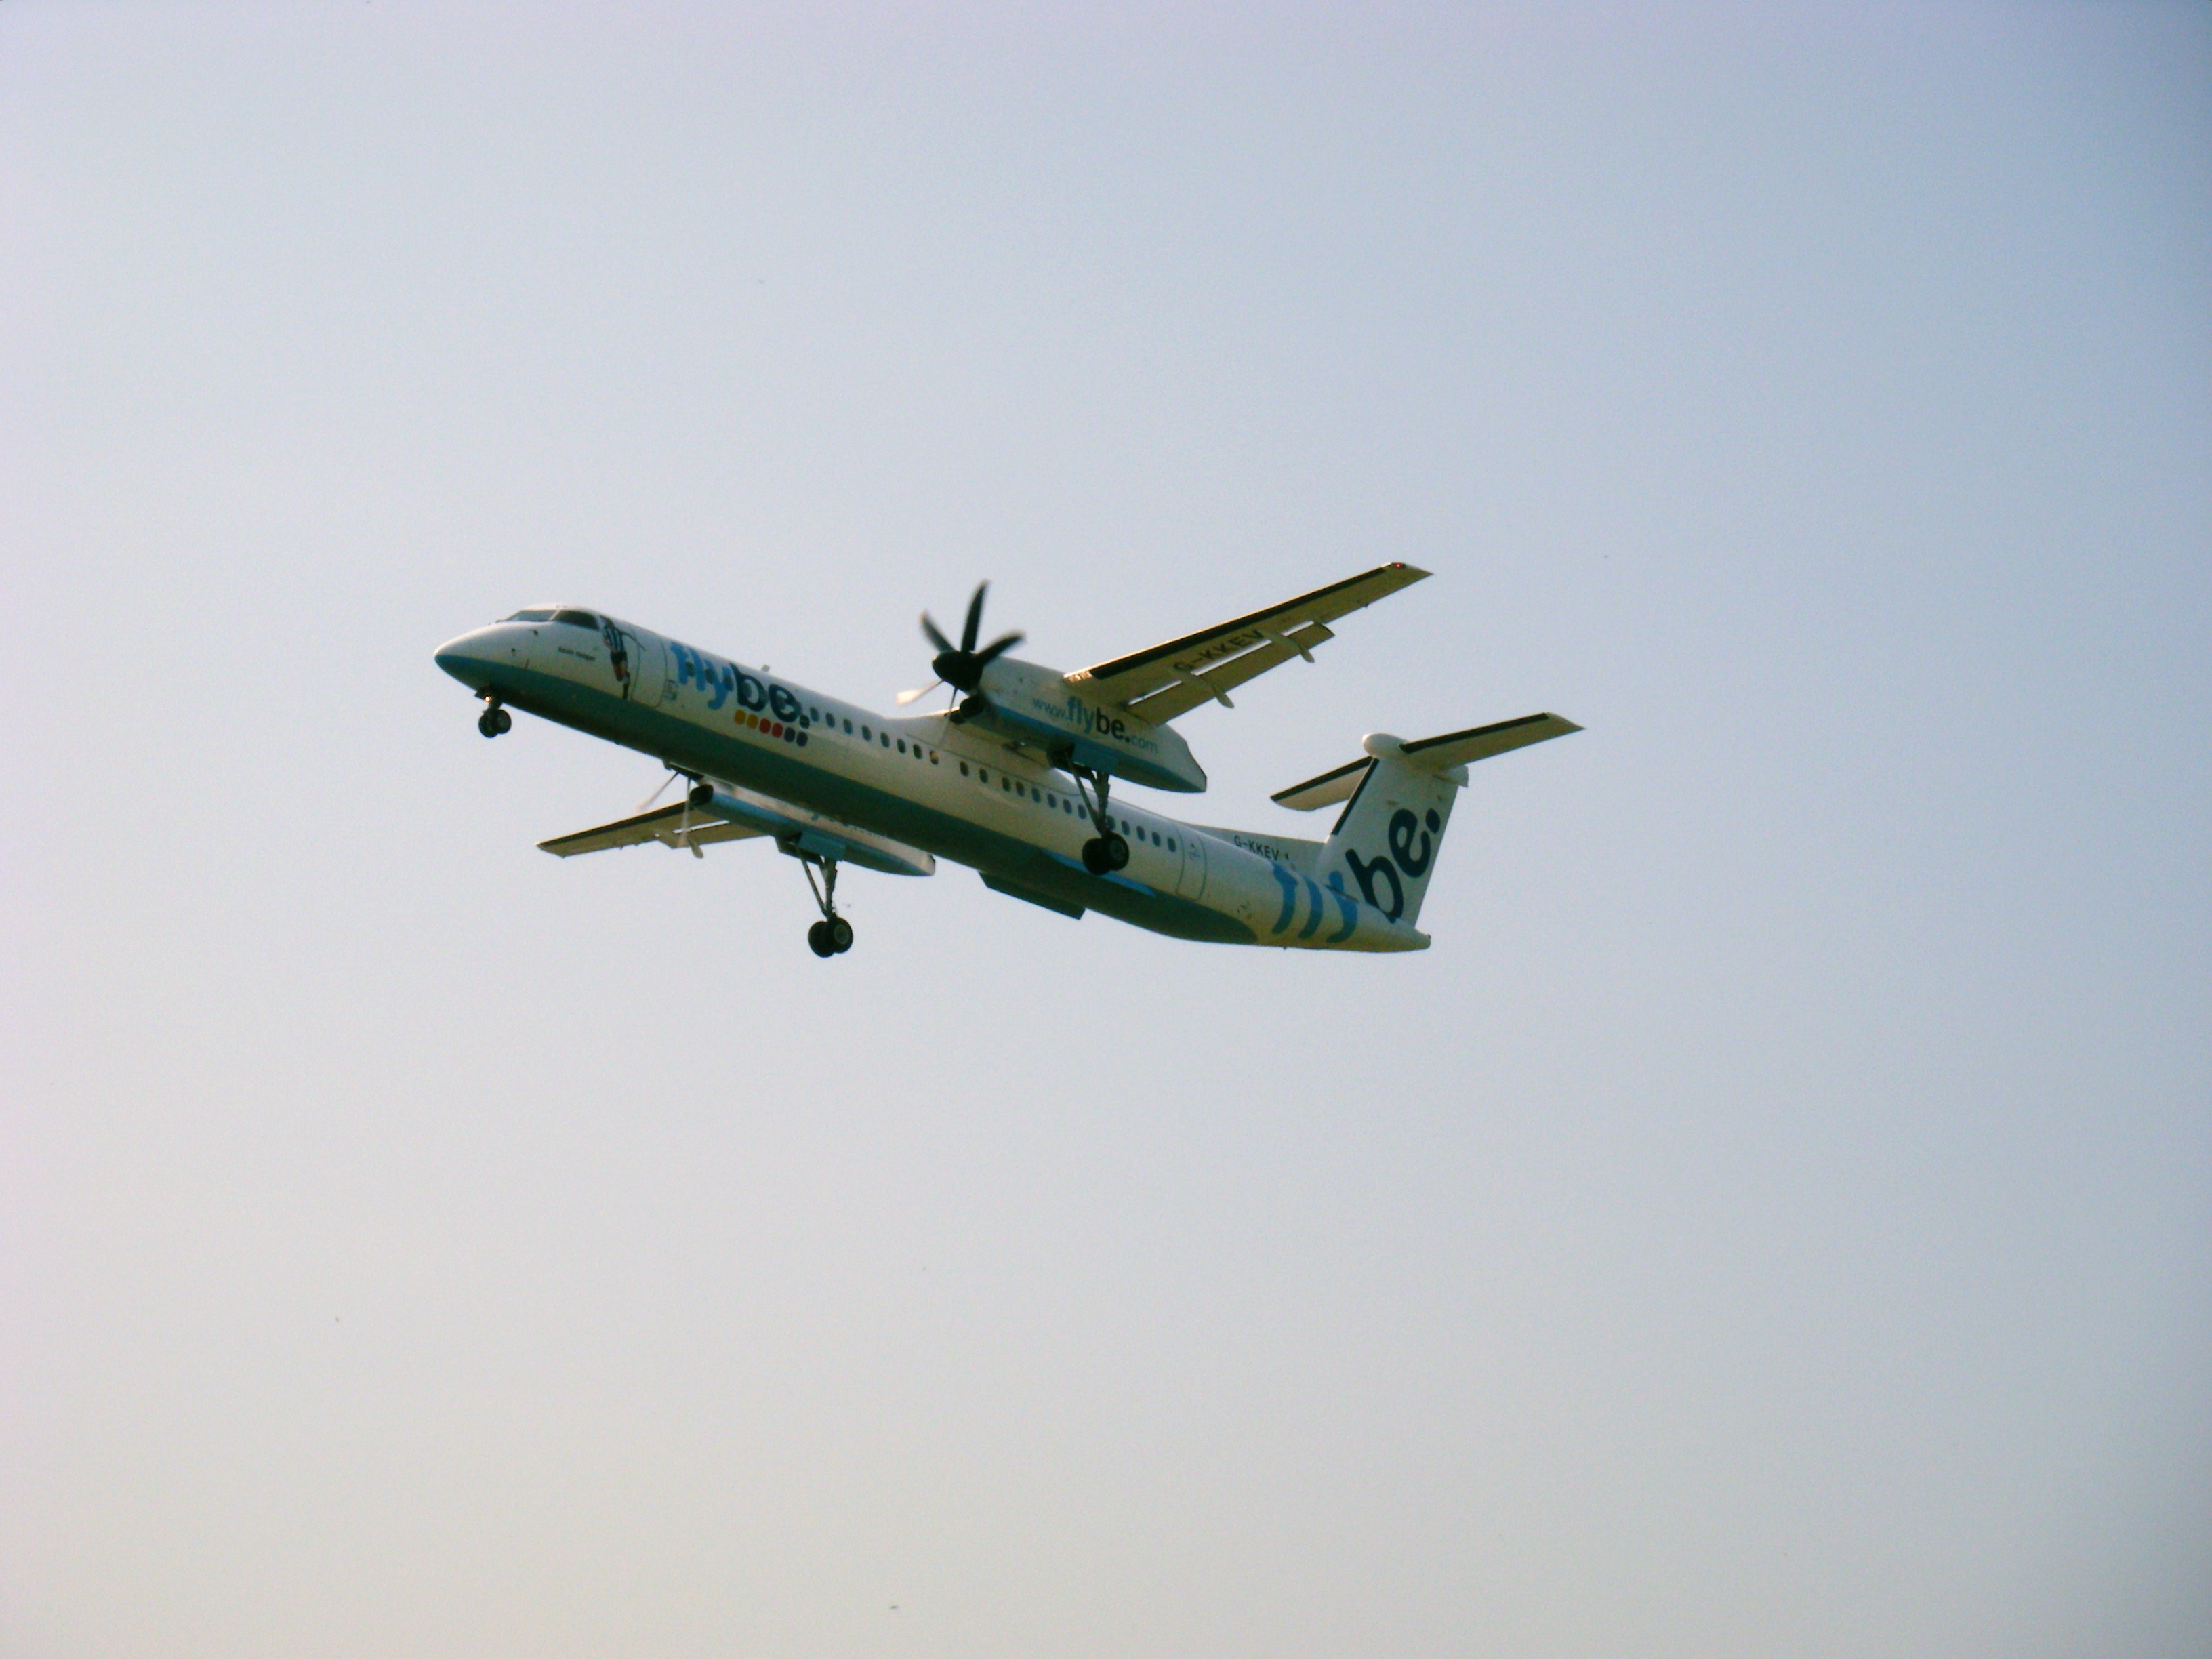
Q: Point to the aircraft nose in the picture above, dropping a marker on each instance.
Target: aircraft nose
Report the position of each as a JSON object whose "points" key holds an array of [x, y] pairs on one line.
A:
{"points": [[461, 659]]}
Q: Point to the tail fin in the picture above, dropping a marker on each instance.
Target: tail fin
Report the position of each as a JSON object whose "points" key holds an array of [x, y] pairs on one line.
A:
{"points": [[1383, 847]]}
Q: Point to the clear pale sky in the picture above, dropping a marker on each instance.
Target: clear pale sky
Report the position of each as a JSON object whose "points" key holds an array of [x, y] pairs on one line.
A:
{"points": [[1776, 1217]]}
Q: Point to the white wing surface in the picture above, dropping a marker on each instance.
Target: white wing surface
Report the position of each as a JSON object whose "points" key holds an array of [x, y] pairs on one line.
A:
{"points": [[680, 825], [1170, 679], [731, 813]]}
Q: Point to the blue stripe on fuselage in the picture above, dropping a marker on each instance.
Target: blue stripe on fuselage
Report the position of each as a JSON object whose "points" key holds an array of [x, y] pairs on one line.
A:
{"points": [[1289, 884], [779, 770]]}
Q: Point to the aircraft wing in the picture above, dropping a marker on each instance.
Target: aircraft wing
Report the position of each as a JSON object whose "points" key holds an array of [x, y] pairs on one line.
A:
{"points": [[680, 825], [734, 814], [1167, 680]]}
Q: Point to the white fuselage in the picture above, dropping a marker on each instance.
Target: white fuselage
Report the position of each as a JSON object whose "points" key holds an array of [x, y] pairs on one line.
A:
{"points": [[923, 780]]}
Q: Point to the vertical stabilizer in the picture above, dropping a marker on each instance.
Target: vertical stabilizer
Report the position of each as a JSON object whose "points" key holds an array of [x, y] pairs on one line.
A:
{"points": [[1384, 845]]}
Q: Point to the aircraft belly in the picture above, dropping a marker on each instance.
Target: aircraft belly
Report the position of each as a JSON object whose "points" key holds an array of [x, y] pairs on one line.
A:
{"points": [[1248, 900]]}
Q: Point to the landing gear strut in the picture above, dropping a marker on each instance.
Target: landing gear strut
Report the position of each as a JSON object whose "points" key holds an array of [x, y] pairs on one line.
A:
{"points": [[495, 720], [1106, 851], [832, 936]]}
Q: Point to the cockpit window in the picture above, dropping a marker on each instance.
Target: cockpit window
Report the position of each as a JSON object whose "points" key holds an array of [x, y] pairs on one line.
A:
{"points": [[529, 616], [579, 618]]}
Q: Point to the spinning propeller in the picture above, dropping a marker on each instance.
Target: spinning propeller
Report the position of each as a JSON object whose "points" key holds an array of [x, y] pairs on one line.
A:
{"points": [[962, 666]]}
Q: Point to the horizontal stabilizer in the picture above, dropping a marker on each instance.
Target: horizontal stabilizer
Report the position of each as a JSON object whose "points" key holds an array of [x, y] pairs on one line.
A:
{"points": [[1437, 754], [1481, 742], [1326, 790]]}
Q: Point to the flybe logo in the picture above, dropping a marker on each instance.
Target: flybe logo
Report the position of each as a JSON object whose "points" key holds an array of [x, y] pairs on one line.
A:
{"points": [[1406, 861], [1095, 722], [721, 682]]}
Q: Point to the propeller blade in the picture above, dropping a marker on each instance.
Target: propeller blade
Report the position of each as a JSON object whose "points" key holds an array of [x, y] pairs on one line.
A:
{"points": [[646, 806], [974, 617], [919, 692], [929, 628], [989, 653]]}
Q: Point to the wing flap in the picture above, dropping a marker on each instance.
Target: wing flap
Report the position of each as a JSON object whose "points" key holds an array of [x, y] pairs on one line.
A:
{"points": [[1187, 692], [1202, 657]]}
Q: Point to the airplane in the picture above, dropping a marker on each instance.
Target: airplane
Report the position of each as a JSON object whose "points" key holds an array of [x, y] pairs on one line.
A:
{"points": [[1013, 778]]}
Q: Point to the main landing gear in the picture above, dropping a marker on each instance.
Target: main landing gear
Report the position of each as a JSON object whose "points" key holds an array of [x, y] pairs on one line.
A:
{"points": [[832, 936], [1105, 852], [495, 720]]}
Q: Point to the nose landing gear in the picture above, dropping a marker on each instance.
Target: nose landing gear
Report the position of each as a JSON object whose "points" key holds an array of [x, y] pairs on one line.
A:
{"points": [[1105, 852], [832, 936], [495, 720]]}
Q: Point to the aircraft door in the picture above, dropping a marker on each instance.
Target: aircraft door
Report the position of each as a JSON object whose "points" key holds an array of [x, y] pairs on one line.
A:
{"points": [[648, 666], [1191, 883]]}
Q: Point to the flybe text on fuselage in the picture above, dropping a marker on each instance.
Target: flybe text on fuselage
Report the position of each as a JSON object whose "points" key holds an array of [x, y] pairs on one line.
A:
{"points": [[721, 682]]}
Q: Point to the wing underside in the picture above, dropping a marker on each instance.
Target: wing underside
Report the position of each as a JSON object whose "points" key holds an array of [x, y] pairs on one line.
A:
{"points": [[731, 813], [1159, 684], [680, 825]]}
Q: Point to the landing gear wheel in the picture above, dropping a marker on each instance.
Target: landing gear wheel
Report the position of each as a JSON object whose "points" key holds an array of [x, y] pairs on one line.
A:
{"points": [[1104, 852], [1103, 855], [495, 720], [833, 934]]}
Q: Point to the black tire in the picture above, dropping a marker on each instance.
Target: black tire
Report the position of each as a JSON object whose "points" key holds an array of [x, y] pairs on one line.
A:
{"points": [[1117, 852], [817, 939], [493, 721], [1094, 856], [841, 935]]}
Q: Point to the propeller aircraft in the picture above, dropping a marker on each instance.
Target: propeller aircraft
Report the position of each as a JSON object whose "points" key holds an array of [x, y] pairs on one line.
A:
{"points": [[1013, 778]]}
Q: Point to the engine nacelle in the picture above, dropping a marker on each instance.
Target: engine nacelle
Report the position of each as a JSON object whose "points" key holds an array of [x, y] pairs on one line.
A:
{"points": [[1035, 705]]}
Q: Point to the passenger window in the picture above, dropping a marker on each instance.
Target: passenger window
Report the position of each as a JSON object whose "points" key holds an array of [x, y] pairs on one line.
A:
{"points": [[884, 739], [867, 735], [1171, 845], [578, 618], [933, 757], [901, 746], [963, 769], [849, 728]]}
